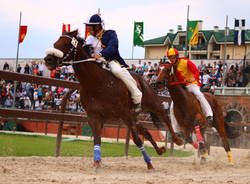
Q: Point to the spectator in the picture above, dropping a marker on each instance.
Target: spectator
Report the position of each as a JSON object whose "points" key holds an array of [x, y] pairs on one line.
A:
{"points": [[144, 66], [40, 93], [139, 64], [34, 68], [149, 66], [53, 73], [57, 102], [27, 69], [3, 94], [27, 102], [41, 68], [8, 102], [205, 82], [6, 66], [213, 87], [19, 68], [133, 68]]}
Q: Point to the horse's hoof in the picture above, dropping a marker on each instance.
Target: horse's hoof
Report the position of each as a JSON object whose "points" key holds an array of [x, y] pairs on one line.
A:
{"points": [[97, 165], [203, 161], [161, 150], [150, 167], [178, 141]]}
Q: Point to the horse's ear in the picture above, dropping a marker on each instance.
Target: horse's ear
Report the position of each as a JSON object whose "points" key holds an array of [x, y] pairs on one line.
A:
{"points": [[74, 33]]}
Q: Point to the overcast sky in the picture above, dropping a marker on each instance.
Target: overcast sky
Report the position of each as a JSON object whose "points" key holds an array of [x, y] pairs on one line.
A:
{"points": [[45, 17]]}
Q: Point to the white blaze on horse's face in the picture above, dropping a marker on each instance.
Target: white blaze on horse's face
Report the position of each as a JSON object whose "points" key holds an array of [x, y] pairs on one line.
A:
{"points": [[54, 52]]}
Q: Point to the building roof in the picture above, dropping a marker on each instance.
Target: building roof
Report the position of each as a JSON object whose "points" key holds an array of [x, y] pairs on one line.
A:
{"points": [[160, 40], [218, 35]]}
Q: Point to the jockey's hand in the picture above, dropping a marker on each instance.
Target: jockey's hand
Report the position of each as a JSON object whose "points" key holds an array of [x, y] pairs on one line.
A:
{"points": [[190, 80], [97, 56]]}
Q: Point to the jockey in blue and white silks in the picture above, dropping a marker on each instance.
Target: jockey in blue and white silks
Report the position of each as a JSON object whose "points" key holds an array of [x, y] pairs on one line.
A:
{"points": [[105, 44]]}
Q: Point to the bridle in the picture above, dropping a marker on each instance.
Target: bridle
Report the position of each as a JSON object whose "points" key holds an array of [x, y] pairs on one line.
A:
{"points": [[74, 48], [171, 72], [75, 44]]}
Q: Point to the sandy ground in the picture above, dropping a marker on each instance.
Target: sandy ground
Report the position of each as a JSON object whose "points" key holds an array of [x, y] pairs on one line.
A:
{"points": [[76, 170]]}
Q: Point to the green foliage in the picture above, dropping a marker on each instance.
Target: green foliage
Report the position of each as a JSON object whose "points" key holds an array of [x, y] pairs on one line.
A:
{"points": [[36, 145]]}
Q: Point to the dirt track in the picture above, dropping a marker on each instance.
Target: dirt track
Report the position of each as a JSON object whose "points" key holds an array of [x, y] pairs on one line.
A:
{"points": [[20, 170]]}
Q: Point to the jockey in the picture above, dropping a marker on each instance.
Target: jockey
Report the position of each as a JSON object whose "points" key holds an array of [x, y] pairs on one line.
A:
{"points": [[187, 72], [105, 44]]}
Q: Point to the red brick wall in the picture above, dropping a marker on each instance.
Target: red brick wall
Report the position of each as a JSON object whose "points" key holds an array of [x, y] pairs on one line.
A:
{"points": [[239, 103]]}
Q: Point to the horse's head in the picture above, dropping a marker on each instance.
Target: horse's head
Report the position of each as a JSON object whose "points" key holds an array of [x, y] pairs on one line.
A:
{"points": [[166, 75], [66, 48]]}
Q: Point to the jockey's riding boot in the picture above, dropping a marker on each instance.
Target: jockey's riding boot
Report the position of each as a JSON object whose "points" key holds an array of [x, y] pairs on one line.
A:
{"points": [[137, 108], [210, 120]]}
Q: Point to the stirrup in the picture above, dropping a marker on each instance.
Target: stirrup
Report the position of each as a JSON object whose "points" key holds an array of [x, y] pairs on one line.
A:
{"points": [[210, 120], [137, 108]]}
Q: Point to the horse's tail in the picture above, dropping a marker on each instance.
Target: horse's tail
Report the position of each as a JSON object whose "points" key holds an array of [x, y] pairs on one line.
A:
{"points": [[149, 92], [232, 131]]}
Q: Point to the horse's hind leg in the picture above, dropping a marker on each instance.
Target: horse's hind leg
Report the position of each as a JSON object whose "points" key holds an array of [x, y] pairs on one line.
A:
{"points": [[143, 131], [139, 144], [219, 125], [189, 140]]}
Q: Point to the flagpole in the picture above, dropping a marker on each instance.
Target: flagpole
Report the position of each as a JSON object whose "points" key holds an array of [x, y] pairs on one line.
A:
{"points": [[186, 42], [17, 55], [133, 42], [225, 53], [234, 44]]}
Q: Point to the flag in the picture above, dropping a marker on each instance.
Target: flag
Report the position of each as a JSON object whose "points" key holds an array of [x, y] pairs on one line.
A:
{"points": [[22, 33], [87, 33], [239, 31], [138, 34], [65, 27], [193, 30]]}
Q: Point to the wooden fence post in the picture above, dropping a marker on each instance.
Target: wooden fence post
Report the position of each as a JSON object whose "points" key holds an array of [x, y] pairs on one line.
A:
{"points": [[118, 134], [59, 139], [127, 143]]}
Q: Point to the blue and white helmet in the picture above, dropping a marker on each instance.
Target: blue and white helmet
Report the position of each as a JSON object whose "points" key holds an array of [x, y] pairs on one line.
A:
{"points": [[94, 20]]}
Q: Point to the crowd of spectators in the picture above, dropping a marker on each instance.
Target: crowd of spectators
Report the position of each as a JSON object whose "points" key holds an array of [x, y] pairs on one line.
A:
{"points": [[42, 97], [213, 75], [38, 97], [148, 71]]}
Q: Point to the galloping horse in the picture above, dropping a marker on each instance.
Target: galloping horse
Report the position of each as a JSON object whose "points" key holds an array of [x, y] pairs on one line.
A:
{"points": [[104, 97], [189, 116]]}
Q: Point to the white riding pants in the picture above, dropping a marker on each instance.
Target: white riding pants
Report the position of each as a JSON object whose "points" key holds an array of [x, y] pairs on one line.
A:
{"points": [[195, 89], [174, 122], [124, 75]]}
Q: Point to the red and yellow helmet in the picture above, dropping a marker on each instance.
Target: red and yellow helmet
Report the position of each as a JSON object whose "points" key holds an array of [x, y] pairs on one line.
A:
{"points": [[172, 52]]}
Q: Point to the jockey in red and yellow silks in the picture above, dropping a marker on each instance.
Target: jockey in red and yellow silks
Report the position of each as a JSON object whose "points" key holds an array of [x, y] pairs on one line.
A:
{"points": [[187, 72]]}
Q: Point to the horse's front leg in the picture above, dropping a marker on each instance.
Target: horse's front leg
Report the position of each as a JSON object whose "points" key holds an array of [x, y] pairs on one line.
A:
{"points": [[139, 144], [96, 127], [143, 131]]}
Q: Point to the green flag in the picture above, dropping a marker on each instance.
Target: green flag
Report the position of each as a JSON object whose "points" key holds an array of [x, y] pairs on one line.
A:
{"points": [[193, 31], [138, 34]]}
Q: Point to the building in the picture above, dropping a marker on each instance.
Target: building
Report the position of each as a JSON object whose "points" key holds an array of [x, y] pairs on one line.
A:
{"points": [[211, 45]]}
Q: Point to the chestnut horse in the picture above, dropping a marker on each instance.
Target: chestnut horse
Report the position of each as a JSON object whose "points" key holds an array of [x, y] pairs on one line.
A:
{"points": [[188, 113], [106, 98]]}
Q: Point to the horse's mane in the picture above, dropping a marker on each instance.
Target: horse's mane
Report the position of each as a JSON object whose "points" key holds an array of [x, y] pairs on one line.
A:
{"points": [[88, 48]]}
